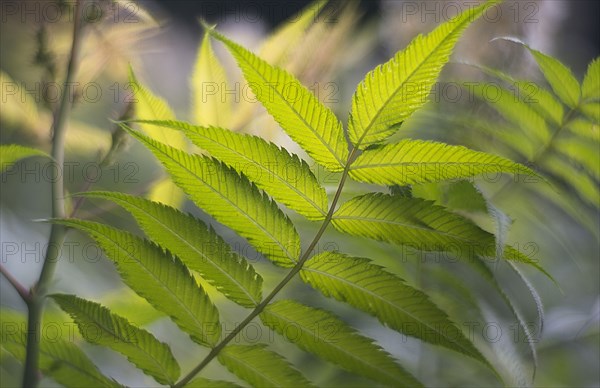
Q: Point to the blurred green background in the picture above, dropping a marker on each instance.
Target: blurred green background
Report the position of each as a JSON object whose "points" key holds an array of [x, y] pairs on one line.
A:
{"points": [[345, 42]]}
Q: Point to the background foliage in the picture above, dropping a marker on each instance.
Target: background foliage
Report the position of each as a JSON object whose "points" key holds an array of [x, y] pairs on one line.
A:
{"points": [[560, 228]]}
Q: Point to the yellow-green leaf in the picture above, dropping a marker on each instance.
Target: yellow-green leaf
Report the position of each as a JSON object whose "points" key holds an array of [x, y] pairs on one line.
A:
{"points": [[419, 224], [561, 79], [391, 92], [303, 117], [261, 367], [418, 161], [110, 330], [210, 105], [151, 107], [10, 154], [590, 89], [325, 335], [370, 288]]}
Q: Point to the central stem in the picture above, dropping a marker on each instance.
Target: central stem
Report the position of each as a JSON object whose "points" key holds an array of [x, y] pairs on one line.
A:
{"points": [[57, 232], [293, 272]]}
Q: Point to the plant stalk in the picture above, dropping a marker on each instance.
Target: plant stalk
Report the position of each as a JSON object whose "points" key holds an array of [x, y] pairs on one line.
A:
{"points": [[293, 272], [57, 232]]}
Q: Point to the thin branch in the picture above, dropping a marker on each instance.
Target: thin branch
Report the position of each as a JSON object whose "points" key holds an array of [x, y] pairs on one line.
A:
{"points": [[21, 290], [293, 272], [57, 232]]}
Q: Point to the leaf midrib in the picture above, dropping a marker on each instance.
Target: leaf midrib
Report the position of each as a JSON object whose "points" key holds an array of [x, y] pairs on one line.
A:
{"points": [[394, 164], [411, 226], [251, 367]]}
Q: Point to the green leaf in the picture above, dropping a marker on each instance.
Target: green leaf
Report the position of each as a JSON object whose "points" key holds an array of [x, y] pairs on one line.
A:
{"points": [[17, 111], [231, 199], [60, 359], [200, 382], [591, 110], [151, 107], [261, 367], [323, 334], [209, 103], [391, 92], [585, 129], [561, 79], [110, 330], [461, 195], [418, 161], [420, 224], [533, 126], [158, 277], [585, 186], [148, 106], [125, 302], [538, 98], [306, 120], [590, 89], [287, 178], [581, 151], [411, 221], [10, 154], [503, 223], [539, 305], [199, 248], [523, 325], [370, 288]]}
